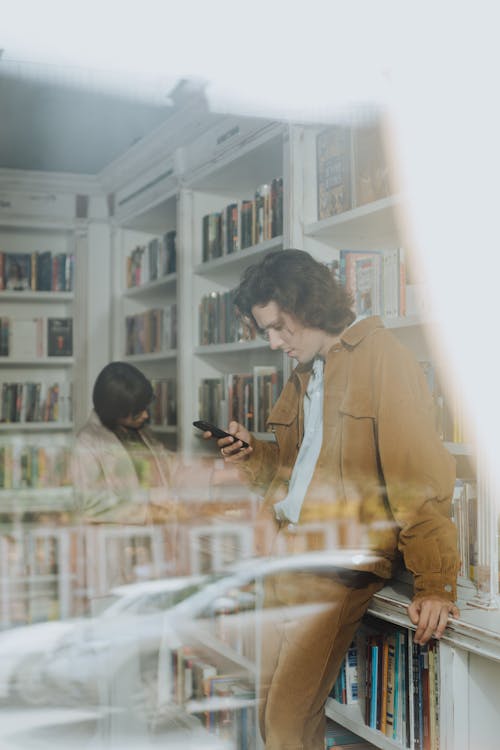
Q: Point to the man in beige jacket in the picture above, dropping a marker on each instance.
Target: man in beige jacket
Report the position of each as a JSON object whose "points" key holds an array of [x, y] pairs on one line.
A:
{"points": [[355, 447]]}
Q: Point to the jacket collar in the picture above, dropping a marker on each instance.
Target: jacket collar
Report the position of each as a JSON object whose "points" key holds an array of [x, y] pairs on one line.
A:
{"points": [[349, 339], [358, 331]]}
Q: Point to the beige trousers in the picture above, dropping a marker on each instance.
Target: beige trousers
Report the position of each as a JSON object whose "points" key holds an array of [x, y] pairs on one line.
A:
{"points": [[308, 623]]}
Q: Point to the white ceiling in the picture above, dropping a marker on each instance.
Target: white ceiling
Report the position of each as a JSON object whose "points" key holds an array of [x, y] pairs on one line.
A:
{"points": [[66, 126]]}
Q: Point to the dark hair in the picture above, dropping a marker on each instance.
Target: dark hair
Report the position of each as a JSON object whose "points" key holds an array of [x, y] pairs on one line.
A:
{"points": [[120, 390], [300, 286]]}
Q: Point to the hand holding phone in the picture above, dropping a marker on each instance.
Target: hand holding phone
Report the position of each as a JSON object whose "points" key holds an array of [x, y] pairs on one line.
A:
{"points": [[217, 432]]}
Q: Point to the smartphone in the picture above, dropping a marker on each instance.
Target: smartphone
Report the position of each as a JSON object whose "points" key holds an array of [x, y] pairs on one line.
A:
{"points": [[217, 432]]}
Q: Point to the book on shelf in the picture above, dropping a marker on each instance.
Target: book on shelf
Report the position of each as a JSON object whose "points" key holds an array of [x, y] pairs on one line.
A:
{"points": [[163, 410], [152, 331], [42, 271], [59, 337], [464, 513], [333, 150], [152, 261], [240, 225], [28, 402], [27, 338], [26, 465], [246, 398], [17, 272], [218, 321], [371, 165], [375, 280], [337, 736]]}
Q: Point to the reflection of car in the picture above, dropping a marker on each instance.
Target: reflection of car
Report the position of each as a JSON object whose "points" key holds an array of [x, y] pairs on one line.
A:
{"points": [[25, 651], [116, 659], [21, 649]]}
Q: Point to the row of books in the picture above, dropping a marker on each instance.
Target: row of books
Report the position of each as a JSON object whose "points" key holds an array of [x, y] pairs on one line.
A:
{"points": [[337, 736], [225, 702], [449, 410], [244, 224], [153, 260], [163, 410], [464, 515], [27, 402], [376, 281], [396, 683], [34, 337], [38, 272], [352, 168], [152, 331], [219, 322], [246, 398], [25, 465]]}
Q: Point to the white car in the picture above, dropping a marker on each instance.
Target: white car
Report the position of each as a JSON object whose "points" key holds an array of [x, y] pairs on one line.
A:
{"points": [[124, 657], [26, 652]]}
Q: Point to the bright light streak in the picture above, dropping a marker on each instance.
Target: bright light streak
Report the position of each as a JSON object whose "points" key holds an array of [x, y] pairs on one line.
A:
{"points": [[434, 63]]}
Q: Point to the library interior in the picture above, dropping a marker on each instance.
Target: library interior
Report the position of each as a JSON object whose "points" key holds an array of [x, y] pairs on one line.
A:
{"points": [[170, 252]]}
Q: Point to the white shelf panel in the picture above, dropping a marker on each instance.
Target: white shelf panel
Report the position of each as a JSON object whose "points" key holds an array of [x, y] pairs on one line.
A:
{"points": [[459, 449], [41, 362], [235, 348], [38, 297], [38, 225], [476, 630], [35, 426], [151, 357], [36, 499], [234, 263], [351, 718], [153, 287], [370, 226]]}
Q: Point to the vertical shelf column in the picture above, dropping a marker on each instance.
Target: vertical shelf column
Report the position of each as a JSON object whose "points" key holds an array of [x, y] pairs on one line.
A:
{"points": [[186, 410]]}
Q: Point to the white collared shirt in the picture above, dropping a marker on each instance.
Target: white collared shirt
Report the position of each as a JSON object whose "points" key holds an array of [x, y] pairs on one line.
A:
{"points": [[289, 508]]}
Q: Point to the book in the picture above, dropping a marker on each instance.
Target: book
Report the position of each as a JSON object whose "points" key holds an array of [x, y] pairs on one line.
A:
{"points": [[333, 149], [26, 338], [17, 271], [60, 337], [371, 165]]}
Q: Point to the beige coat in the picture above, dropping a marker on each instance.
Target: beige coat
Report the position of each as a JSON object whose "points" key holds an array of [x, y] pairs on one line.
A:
{"points": [[383, 477], [107, 486]]}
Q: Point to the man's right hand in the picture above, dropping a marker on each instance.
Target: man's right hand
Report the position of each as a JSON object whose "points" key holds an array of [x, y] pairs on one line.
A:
{"points": [[232, 450]]}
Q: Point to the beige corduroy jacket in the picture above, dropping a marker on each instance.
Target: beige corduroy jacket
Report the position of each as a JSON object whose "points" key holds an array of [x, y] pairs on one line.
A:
{"points": [[383, 478]]}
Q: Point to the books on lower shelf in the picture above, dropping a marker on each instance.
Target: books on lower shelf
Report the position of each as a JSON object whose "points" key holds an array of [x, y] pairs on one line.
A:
{"points": [[246, 398], [152, 331], [32, 402], [225, 702], [26, 464], [397, 684], [42, 271], [30, 338], [152, 261]]}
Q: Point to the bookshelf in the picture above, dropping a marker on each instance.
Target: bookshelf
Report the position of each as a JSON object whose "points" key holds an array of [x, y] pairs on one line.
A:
{"points": [[145, 319], [241, 192], [224, 163], [196, 166]]}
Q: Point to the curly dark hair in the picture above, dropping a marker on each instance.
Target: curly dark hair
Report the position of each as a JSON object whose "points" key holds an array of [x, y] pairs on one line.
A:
{"points": [[120, 390], [300, 286]]}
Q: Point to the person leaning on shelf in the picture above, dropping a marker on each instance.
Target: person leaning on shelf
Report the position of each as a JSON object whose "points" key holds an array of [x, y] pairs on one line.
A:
{"points": [[355, 451], [121, 474]]}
